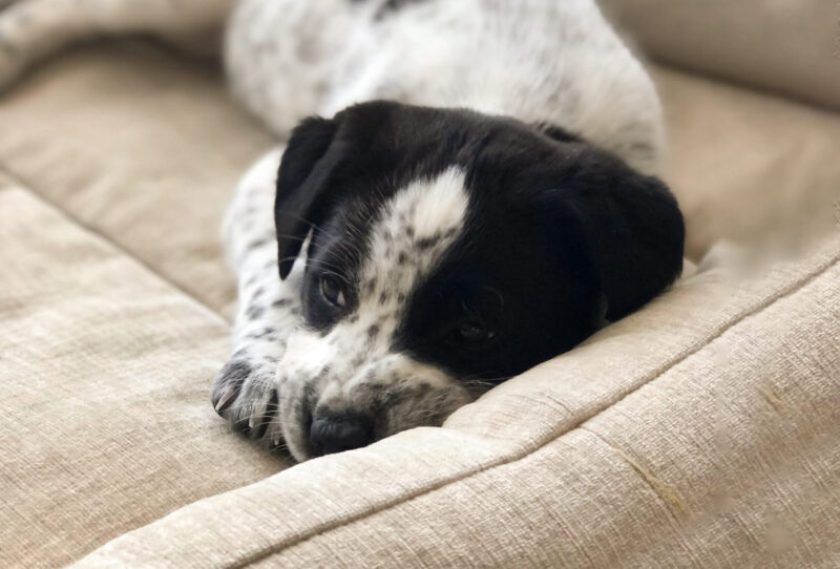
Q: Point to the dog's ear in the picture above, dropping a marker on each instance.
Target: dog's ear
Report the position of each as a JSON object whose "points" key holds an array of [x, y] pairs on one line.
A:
{"points": [[302, 183], [629, 228]]}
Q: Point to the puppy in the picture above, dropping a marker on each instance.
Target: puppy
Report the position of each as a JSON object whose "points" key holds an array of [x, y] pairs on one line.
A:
{"points": [[466, 191]]}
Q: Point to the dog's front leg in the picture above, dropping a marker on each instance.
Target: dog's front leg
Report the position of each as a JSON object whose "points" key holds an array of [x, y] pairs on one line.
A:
{"points": [[269, 309], [31, 30]]}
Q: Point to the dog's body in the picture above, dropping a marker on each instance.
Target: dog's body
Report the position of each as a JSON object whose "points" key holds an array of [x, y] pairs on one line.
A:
{"points": [[431, 246], [539, 61]]}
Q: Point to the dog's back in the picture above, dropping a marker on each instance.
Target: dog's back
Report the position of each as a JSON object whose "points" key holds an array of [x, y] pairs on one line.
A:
{"points": [[536, 60]]}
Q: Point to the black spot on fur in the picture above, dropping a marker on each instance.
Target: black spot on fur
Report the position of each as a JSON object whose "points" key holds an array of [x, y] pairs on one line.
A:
{"points": [[257, 243], [266, 332], [384, 298], [373, 331], [391, 6], [254, 311], [368, 287], [323, 373], [427, 242], [281, 302]]}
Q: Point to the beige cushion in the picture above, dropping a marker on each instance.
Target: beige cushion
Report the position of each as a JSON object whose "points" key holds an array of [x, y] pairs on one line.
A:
{"points": [[748, 167], [104, 366], [788, 46], [121, 161], [657, 444], [141, 147]]}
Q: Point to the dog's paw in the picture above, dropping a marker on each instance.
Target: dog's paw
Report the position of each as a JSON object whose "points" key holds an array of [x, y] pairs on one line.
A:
{"points": [[244, 393]]}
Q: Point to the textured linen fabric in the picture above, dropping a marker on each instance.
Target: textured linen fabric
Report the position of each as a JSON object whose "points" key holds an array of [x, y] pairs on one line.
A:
{"points": [[746, 166], [657, 444], [104, 369], [140, 146], [786, 46], [122, 161]]}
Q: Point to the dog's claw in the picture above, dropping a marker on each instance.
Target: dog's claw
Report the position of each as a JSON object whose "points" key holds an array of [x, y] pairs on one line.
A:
{"points": [[227, 397]]}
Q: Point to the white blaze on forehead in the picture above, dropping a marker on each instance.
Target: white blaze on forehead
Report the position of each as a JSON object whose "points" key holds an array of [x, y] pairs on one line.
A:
{"points": [[420, 222], [434, 207]]}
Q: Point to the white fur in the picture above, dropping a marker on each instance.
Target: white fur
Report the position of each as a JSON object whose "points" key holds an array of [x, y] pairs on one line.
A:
{"points": [[536, 60], [431, 207]]}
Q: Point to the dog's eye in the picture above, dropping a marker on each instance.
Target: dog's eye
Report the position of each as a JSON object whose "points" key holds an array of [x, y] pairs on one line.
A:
{"points": [[472, 335], [332, 290]]}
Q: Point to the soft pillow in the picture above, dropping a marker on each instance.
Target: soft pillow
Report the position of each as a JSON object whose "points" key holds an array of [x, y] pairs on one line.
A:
{"points": [[788, 46]]}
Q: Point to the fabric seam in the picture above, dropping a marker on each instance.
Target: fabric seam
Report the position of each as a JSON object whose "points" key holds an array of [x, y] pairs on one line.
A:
{"points": [[21, 181], [716, 335]]}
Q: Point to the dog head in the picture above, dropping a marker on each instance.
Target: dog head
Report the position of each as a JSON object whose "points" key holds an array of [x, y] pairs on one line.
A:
{"points": [[448, 251]]}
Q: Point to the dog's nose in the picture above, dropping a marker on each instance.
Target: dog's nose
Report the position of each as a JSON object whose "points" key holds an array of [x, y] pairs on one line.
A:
{"points": [[337, 433]]}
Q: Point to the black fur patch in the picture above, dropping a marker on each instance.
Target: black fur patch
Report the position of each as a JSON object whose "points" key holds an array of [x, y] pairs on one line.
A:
{"points": [[391, 6], [254, 311], [558, 232]]}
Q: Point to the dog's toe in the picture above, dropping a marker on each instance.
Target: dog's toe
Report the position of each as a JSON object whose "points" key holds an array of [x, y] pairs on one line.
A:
{"points": [[245, 395]]}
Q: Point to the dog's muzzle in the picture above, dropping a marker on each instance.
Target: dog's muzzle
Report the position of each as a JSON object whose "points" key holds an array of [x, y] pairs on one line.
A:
{"points": [[336, 433]]}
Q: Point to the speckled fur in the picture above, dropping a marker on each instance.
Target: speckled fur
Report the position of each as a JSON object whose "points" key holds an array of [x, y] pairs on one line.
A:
{"points": [[536, 60], [541, 61]]}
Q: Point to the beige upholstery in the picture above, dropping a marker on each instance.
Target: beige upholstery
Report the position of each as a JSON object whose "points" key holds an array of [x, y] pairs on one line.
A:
{"points": [[117, 166], [143, 152], [656, 445], [104, 368], [786, 46], [700, 432], [746, 166]]}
